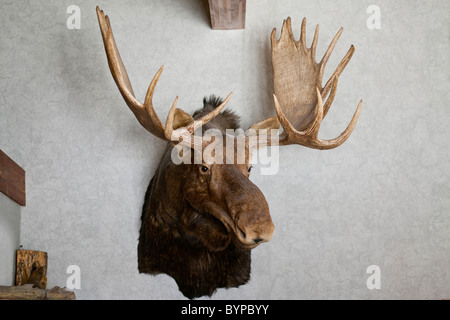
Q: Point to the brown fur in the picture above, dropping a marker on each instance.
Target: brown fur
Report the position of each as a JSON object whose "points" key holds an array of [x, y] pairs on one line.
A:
{"points": [[190, 220]]}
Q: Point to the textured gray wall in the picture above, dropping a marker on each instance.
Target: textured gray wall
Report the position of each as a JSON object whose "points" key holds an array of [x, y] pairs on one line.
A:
{"points": [[383, 198], [9, 239]]}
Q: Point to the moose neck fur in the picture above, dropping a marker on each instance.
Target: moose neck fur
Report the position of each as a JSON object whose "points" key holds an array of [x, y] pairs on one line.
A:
{"points": [[173, 234]]}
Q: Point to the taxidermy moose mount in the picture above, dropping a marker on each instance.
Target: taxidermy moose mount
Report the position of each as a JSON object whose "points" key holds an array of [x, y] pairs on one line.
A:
{"points": [[201, 220]]}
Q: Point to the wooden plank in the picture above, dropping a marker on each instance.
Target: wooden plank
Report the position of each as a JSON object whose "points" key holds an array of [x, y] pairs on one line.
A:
{"points": [[12, 179], [31, 268], [27, 292], [227, 14]]}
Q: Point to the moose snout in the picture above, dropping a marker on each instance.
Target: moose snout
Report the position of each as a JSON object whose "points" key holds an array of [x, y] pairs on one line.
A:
{"points": [[255, 233], [247, 207], [253, 224]]}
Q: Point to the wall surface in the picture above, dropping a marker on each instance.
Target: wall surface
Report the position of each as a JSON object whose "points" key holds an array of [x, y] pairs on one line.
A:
{"points": [[380, 199], [9, 239]]}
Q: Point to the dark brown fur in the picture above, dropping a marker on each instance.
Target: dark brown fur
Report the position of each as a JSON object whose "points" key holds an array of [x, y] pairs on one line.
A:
{"points": [[183, 233]]}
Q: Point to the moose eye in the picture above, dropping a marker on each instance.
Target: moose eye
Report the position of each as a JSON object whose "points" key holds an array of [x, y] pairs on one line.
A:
{"points": [[204, 169], [250, 169]]}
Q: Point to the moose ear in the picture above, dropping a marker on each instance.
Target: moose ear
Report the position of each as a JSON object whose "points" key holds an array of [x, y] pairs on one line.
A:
{"points": [[181, 119], [268, 124]]}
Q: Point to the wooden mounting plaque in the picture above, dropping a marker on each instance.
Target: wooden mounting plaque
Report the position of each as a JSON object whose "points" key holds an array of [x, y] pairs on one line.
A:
{"points": [[227, 14], [12, 179], [31, 268]]}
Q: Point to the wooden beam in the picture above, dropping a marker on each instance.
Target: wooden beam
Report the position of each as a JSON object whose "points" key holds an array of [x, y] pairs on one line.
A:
{"points": [[12, 179], [227, 14], [27, 292]]}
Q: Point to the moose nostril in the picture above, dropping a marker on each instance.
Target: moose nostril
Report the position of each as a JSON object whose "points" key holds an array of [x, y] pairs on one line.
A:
{"points": [[256, 241], [243, 235]]}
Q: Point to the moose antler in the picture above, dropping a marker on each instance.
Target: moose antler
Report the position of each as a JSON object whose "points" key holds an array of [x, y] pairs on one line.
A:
{"points": [[298, 91], [179, 125]]}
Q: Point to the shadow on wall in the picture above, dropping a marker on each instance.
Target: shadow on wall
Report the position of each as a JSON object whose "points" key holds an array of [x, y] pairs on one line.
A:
{"points": [[205, 12], [9, 239]]}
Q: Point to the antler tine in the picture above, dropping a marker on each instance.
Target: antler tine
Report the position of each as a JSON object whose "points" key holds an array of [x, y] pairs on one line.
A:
{"points": [[148, 102], [334, 143], [286, 29], [329, 51], [208, 117], [304, 137], [303, 33], [314, 43], [170, 119], [285, 124], [339, 69], [313, 130], [330, 99], [114, 60]]}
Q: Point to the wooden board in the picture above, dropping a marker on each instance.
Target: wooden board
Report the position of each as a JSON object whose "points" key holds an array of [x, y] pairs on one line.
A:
{"points": [[27, 292], [31, 268], [12, 179], [227, 14]]}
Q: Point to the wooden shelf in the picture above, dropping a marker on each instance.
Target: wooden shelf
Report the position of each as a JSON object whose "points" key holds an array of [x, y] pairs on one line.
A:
{"points": [[27, 292], [227, 14], [12, 179]]}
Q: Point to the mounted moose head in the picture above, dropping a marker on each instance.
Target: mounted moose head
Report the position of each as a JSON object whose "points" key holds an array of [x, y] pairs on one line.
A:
{"points": [[200, 220]]}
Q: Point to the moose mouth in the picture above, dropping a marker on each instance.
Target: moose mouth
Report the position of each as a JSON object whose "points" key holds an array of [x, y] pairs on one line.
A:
{"points": [[231, 228], [238, 235], [242, 241]]}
